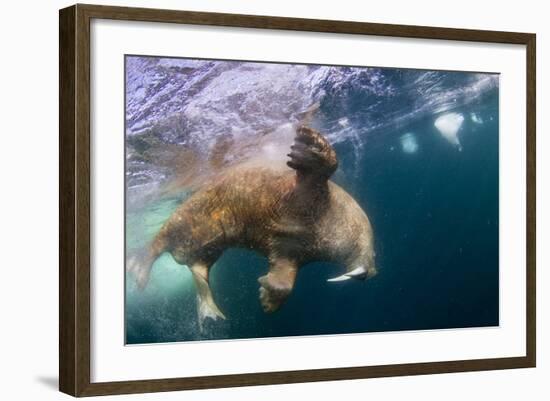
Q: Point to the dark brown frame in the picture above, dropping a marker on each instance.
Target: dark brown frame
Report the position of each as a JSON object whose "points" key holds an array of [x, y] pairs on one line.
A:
{"points": [[74, 199]]}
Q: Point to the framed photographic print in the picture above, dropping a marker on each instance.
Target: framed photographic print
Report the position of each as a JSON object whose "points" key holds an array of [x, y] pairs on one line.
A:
{"points": [[252, 200]]}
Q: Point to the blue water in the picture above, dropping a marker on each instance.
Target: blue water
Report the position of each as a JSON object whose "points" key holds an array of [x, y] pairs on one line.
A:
{"points": [[433, 207]]}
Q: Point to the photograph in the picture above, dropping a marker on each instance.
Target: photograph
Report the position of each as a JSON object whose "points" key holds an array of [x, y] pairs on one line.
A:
{"points": [[274, 199], [313, 197]]}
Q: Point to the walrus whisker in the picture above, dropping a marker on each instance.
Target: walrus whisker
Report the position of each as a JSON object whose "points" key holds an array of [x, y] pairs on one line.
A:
{"points": [[358, 272]]}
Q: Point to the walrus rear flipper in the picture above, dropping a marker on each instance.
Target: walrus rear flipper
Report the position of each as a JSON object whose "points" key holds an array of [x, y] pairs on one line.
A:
{"points": [[312, 155], [140, 264]]}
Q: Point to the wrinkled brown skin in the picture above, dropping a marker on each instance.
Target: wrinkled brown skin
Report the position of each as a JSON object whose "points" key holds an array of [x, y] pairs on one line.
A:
{"points": [[293, 216]]}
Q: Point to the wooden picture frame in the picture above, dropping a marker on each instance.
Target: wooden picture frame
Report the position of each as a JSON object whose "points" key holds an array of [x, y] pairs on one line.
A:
{"points": [[74, 199]]}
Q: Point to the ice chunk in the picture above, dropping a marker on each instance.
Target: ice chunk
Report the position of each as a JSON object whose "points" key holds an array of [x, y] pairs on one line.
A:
{"points": [[409, 143], [448, 126], [476, 118]]}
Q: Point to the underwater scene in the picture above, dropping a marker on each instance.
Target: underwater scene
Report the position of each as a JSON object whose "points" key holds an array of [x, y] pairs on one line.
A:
{"points": [[273, 199]]}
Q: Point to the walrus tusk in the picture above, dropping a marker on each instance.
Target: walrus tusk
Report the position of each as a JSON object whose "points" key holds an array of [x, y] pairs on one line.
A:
{"points": [[358, 272], [339, 278]]}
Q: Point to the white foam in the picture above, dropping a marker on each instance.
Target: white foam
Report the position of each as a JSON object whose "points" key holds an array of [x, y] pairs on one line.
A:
{"points": [[344, 122], [448, 125]]}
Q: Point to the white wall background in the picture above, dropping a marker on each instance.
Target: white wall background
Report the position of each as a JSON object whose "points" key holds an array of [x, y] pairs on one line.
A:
{"points": [[28, 204]]}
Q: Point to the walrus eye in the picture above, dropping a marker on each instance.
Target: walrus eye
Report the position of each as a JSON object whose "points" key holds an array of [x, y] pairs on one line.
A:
{"points": [[358, 273]]}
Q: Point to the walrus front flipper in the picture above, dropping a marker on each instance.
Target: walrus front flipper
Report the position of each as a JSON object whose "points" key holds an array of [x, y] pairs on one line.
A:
{"points": [[276, 285], [206, 307], [311, 155]]}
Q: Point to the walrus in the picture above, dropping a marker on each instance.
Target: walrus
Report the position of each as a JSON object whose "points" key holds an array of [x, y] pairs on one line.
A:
{"points": [[293, 215]]}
